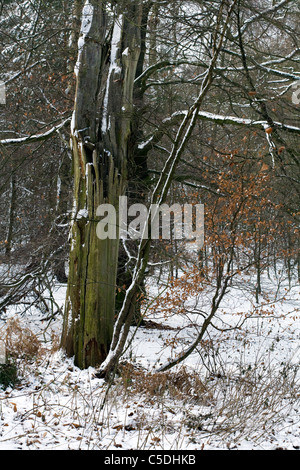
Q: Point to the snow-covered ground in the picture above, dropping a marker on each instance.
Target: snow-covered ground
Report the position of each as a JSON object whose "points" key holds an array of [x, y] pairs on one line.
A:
{"points": [[239, 390]]}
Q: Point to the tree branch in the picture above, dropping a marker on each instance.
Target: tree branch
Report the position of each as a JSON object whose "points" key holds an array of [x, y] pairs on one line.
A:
{"points": [[36, 138]]}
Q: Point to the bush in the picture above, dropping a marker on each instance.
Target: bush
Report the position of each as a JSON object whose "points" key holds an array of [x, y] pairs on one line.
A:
{"points": [[22, 347], [8, 375]]}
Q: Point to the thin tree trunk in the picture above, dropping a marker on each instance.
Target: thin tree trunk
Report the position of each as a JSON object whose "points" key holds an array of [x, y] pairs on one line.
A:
{"points": [[12, 211], [61, 212]]}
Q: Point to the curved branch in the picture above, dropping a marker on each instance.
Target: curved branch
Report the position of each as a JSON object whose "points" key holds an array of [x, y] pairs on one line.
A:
{"points": [[217, 119], [37, 137]]}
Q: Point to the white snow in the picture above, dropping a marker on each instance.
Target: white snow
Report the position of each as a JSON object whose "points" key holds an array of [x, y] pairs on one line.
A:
{"points": [[82, 214], [57, 406], [73, 126], [87, 17]]}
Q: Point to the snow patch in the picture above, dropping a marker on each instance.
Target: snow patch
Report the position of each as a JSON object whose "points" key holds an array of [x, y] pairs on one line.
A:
{"points": [[86, 23], [87, 17], [82, 214]]}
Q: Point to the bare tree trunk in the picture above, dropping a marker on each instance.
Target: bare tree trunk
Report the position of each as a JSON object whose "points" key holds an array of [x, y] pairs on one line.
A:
{"points": [[138, 177], [101, 128], [153, 24], [61, 212]]}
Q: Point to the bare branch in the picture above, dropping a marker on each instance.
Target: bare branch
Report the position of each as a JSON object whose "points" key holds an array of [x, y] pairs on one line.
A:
{"points": [[37, 137]]}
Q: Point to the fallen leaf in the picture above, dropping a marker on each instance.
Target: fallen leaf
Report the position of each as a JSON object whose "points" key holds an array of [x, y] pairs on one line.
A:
{"points": [[15, 407]]}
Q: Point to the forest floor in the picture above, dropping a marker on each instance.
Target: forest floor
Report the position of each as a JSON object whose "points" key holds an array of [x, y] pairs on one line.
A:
{"points": [[239, 390]]}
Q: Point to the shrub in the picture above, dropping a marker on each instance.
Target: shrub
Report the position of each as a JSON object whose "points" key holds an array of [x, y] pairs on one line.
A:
{"points": [[22, 347]]}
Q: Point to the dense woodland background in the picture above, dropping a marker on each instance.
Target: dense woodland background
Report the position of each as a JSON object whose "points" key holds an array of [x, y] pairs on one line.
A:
{"points": [[241, 160], [149, 344]]}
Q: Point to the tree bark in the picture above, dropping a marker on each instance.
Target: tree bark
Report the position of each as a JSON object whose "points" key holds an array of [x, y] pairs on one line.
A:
{"points": [[101, 129]]}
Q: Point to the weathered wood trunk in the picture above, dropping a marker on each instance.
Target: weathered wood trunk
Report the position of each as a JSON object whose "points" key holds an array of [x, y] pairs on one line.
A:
{"points": [[101, 128]]}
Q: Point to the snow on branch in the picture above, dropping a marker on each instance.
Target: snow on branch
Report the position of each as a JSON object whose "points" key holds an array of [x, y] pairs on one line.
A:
{"points": [[264, 66], [264, 14], [26, 70], [113, 69], [218, 119], [37, 137]]}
